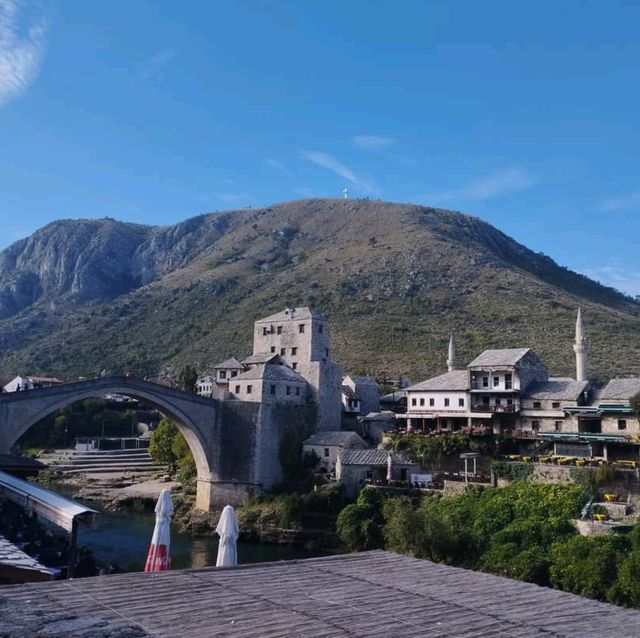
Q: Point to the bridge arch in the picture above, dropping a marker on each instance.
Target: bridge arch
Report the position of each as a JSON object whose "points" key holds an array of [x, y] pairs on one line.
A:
{"points": [[196, 417]]}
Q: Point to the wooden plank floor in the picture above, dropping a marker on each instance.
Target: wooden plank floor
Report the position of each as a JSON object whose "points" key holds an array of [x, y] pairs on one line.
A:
{"points": [[373, 595]]}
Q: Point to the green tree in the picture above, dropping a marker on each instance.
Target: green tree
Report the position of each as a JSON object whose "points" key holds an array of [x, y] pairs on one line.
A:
{"points": [[186, 463], [359, 525], [187, 378], [161, 443], [587, 566]]}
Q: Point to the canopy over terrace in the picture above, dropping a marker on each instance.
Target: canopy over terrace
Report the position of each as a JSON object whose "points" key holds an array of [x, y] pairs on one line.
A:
{"points": [[60, 511]]}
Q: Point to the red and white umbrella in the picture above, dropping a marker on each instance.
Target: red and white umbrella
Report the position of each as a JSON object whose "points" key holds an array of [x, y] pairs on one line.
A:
{"points": [[159, 558]]}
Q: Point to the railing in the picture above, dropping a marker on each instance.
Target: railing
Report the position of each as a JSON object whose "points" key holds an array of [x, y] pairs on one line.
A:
{"points": [[485, 407]]}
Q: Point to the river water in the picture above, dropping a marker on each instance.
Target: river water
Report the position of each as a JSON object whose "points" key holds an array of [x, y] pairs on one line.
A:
{"points": [[123, 538]]}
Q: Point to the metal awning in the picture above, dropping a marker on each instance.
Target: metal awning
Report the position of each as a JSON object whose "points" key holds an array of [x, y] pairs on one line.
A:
{"points": [[583, 436], [61, 511]]}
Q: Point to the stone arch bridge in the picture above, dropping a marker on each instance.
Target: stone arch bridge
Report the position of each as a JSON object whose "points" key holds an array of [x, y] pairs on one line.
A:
{"points": [[235, 444]]}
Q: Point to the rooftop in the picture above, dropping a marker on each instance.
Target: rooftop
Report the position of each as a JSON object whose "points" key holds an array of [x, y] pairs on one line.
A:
{"points": [[348, 392], [503, 357], [356, 378], [292, 314], [271, 371], [620, 389], [455, 380], [556, 388], [229, 364], [262, 357], [335, 438], [350, 596], [372, 457], [16, 565]]}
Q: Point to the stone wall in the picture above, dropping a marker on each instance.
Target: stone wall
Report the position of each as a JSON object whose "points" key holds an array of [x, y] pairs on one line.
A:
{"points": [[551, 473]]}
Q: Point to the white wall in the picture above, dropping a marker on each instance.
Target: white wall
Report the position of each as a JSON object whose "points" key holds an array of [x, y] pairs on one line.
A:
{"points": [[423, 401], [500, 375]]}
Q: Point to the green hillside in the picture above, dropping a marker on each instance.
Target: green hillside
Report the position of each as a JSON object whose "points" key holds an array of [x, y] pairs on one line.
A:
{"points": [[395, 280]]}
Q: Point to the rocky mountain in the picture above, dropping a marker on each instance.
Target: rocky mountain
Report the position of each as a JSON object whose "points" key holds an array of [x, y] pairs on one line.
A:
{"points": [[395, 280]]}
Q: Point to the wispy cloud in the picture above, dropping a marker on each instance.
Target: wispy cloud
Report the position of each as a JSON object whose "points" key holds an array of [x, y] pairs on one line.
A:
{"points": [[154, 66], [336, 166], [497, 184], [278, 166], [624, 202], [372, 142], [510, 180], [22, 42], [615, 275]]}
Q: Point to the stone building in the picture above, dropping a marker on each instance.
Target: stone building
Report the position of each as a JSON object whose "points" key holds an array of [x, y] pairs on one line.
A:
{"points": [[360, 395], [328, 445], [545, 402], [226, 370], [301, 338], [270, 383], [205, 385], [356, 468], [508, 391], [485, 395]]}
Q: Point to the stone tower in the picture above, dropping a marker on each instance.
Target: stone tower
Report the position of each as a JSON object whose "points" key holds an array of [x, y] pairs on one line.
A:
{"points": [[300, 337], [451, 358], [581, 348]]}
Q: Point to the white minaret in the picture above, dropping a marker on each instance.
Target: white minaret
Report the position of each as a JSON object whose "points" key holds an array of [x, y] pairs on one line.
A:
{"points": [[581, 348], [451, 358]]}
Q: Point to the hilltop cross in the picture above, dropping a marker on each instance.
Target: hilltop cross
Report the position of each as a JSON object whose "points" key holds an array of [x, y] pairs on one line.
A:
{"points": [[345, 192]]}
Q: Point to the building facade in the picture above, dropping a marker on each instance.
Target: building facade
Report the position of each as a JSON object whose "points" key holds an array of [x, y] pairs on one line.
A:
{"points": [[509, 392]]}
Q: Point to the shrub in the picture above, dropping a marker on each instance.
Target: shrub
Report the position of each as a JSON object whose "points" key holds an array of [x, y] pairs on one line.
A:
{"points": [[359, 525], [587, 565], [512, 471]]}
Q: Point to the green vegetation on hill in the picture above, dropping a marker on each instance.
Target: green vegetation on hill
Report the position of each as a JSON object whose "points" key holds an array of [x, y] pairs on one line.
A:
{"points": [[395, 280], [522, 531]]}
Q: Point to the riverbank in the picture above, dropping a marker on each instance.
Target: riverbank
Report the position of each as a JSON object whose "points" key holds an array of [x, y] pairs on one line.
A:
{"points": [[307, 521]]}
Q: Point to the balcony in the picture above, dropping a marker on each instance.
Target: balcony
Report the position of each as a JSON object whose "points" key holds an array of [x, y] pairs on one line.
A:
{"points": [[495, 409]]}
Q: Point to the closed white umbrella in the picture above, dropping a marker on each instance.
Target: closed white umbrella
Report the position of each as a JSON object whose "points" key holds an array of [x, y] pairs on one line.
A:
{"points": [[159, 558], [389, 468], [228, 531]]}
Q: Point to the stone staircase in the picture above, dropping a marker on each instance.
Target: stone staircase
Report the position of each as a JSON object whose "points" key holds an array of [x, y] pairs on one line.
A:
{"points": [[134, 462]]}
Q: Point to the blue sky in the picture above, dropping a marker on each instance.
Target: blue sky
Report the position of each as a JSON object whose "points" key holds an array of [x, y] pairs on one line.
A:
{"points": [[524, 114]]}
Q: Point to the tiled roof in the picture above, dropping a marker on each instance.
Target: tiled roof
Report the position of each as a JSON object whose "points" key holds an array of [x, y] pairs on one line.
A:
{"points": [[293, 314], [556, 388], [620, 389], [347, 596], [384, 415], [393, 396], [348, 392], [455, 380], [271, 371], [335, 438], [229, 364], [504, 357], [362, 379], [13, 558], [372, 457], [264, 357]]}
